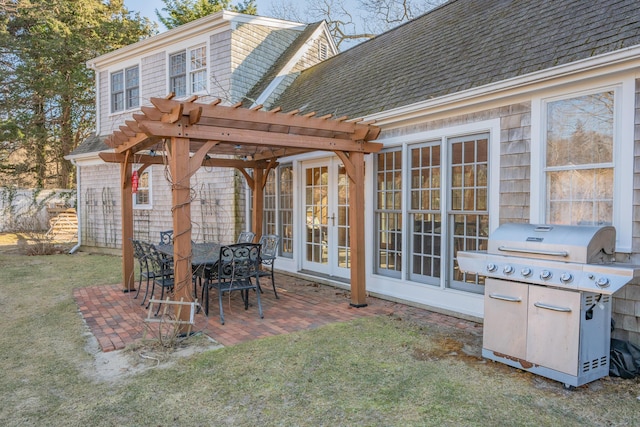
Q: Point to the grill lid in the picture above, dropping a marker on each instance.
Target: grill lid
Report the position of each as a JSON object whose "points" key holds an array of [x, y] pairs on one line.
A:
{"points": [[567, 243]]}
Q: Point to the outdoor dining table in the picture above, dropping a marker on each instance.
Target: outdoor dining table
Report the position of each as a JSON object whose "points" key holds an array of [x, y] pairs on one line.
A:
{"points": [[204, 263], [204, 256]]}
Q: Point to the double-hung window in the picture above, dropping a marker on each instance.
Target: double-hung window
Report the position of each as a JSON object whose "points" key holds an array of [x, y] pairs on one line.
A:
{"points": [[579, 159], [188, 71], [142, 197], [587, 160], [125, 89]]}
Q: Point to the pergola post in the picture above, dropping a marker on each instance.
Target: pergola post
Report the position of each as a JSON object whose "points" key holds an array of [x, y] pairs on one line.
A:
{"points": [[258, 201], [354, 165], [181, 208], [126, 198]]}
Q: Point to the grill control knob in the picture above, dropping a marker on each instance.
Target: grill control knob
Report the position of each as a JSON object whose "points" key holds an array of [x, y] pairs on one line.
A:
{"points": [[603, 282], [507, 269], [546, 275], [526, 272], [566, 277], [491, 267]]}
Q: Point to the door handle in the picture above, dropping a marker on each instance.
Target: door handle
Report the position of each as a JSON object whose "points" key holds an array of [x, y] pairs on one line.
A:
{"points": [[505, 298], [333, 219], [552, 307]]}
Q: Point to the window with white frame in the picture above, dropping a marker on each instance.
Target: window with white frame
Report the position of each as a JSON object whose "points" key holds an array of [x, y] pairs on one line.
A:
{"points": [[188, 71], [388, 213], [582, 172], [444, 182], [142, 197], [278, 208], [125, 89], [579, 160], [198, 69], [269, 204], [178, 73], [285, 209]]}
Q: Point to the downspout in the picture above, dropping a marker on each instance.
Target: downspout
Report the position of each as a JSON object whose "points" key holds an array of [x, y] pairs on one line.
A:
{"points": [[78, 208]]}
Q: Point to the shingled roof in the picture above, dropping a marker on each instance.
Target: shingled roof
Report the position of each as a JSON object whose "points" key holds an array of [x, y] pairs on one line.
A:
{"points": [[461, 45], [278, 65]]}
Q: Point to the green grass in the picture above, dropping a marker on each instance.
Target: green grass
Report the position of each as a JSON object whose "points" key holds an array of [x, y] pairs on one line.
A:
{"points": [[370, 372]]}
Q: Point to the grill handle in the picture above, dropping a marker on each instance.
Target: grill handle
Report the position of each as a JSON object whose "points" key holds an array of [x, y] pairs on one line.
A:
{"points": [[505, 298], [552, 307], [533, 251]]}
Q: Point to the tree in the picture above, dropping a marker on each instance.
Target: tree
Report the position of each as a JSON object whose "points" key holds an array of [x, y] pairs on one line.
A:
{"points": [[352, 21], [182, 11], [47, 99]]}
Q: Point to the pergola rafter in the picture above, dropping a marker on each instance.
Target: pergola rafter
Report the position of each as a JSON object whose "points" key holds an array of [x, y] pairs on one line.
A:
{"points": [[186, 135]]}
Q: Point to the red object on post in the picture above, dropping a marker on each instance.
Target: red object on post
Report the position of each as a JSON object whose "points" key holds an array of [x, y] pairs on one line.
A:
{"points": [[134, 182]]}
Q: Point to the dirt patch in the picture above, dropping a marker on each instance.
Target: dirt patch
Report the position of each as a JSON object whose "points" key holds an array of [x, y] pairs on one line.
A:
{"points": [[115, 366]]}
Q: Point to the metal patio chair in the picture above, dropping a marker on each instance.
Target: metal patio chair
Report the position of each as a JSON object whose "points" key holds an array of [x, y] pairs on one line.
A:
{"points": [[246, 237], [141, 254], [238, 267], [162, 268], [268, 254], [166, 237]]}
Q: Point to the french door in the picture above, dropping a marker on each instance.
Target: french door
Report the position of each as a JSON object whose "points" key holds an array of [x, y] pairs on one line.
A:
{"points": [[326, 207]]}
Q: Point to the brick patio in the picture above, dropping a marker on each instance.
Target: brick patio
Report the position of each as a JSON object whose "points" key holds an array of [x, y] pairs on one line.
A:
{"points": [[116, 319]]}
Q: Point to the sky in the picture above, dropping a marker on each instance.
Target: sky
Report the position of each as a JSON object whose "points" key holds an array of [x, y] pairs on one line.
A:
{"points": [[147, 8]]}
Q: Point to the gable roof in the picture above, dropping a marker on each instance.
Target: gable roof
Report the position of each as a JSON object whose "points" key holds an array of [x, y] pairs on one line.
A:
{"points": [[461, 45], [91, 144], [280, 65]]}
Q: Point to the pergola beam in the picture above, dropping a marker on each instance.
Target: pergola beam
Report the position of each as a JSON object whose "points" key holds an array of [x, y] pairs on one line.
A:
{"points": [[255, 138]]}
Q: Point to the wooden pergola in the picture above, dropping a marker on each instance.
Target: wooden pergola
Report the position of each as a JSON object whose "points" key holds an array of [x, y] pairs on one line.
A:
{"points": [[190, 134]]}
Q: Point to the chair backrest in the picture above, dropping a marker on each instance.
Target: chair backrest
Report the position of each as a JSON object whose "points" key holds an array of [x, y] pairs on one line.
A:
{"points": [[160, 264], [239, 261], [166, 237], [246, 237], [269, 246], [138, 251]]}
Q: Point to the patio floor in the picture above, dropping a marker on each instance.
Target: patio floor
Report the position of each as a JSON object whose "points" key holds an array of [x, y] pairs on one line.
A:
{"points": [[116, 319]]}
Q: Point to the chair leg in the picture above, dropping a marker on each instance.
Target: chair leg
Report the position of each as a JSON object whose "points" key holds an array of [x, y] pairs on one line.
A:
{"points": [[273, 283], [146, 290], [258, 298], [205, 296], [153, 290], [139, 282], [161, 298], [220, 303], [245, 298]]}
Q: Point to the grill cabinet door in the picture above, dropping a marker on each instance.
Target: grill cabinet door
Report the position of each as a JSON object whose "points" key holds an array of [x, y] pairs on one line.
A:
{"points": [[505, 318], [554, 329]]}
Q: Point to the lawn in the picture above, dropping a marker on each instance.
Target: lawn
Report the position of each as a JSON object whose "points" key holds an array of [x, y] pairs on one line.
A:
{"points": [[379, 371]]}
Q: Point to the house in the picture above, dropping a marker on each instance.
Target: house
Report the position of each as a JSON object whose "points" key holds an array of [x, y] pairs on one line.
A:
{"points": [[219, 57], [490, 112]]}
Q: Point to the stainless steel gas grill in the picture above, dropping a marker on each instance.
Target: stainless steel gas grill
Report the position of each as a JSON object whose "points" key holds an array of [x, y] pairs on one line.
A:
{"points": [[547, 304]]}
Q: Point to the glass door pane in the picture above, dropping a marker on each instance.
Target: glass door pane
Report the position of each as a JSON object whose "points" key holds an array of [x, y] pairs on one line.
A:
{"points": [[317, 208]]}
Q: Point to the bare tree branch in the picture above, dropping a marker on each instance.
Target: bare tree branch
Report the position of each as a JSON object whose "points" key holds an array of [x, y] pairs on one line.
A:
{"points": [[348, 25]]}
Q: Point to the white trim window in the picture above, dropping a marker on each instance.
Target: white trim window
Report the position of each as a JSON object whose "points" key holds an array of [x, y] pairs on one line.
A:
{"points": [[142, 197], [188, 71], [584, 167], [198, 69], [278, 208], [125, 89], [579, 161]]}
